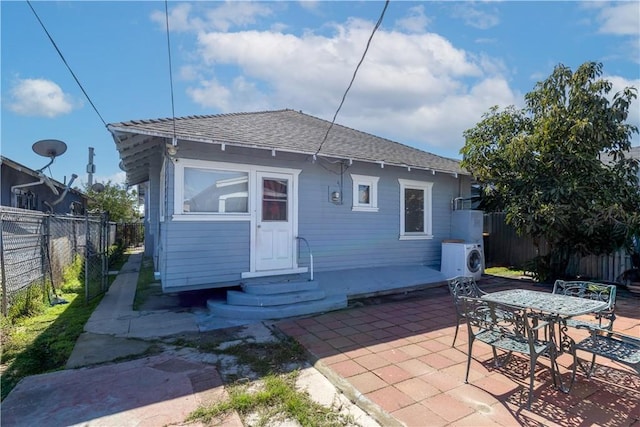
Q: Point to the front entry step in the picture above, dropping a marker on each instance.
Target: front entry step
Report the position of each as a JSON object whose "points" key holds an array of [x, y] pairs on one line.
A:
{"points": [[262, 300], [271, 288], [225, 310], [276, 299]]}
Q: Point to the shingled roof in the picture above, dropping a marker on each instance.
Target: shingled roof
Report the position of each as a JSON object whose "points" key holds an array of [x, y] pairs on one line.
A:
{"points": [[282, 130]]}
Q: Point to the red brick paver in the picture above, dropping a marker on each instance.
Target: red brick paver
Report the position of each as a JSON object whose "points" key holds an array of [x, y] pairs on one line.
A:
{"points": [[398, 355]]}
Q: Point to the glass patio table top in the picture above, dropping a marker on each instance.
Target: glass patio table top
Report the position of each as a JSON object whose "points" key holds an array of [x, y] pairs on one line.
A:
{"points": [[560, 305]]}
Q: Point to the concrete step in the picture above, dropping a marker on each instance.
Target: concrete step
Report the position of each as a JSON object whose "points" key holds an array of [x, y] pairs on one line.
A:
{"points": [[261, 300], [245, 312], [280, 287]]}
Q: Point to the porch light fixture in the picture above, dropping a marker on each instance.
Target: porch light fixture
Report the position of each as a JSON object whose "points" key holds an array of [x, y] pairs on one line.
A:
{"points": [[172, 150]]}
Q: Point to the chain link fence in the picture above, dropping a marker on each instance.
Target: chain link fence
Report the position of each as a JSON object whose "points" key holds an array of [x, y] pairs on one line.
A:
{"points": [[37, 248]]}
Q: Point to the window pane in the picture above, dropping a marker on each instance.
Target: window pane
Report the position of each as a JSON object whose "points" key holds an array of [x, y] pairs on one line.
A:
{"points": [[363, 194], [207, 190], [413, 210], [274, 199]]}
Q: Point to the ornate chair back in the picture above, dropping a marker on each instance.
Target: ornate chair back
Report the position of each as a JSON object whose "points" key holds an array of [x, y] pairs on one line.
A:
{"points": [[462, 286], [595, 291]]}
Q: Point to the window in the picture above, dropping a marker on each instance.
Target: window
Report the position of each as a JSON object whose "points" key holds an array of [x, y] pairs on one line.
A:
{"points": [[215, 191], [274, 199], [208, 189], [25, 199], [415, 209], [365, 193]]}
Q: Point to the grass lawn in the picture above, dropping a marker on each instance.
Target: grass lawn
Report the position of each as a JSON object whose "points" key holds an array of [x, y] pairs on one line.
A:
{"points": [[504, 272], [43, 341]]}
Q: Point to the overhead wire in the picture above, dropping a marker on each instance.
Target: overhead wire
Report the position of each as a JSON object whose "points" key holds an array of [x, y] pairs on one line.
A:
{"points": [[173, 111], [66, 63], [344, 96]]}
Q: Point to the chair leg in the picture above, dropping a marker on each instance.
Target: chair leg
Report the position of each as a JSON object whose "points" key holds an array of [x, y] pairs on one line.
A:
{"points": [[466, 377], [532, 368], [496, 362], [495, 357], [592, 366], [455, 335]]}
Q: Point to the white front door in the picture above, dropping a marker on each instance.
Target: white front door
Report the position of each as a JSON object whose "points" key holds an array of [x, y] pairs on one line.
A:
{"points": [[274, 223]]}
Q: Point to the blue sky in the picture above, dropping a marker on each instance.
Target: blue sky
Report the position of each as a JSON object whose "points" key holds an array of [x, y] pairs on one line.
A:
{"points": [[432, 70]]}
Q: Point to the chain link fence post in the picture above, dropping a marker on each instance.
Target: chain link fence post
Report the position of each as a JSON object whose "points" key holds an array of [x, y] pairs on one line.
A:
{"points": [[2, 267], [87, 255]]}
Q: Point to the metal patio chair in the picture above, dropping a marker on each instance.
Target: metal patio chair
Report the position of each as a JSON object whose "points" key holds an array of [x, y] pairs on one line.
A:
{"points": [[616, 346], [458, 287], [510, 329], [602, 319]]}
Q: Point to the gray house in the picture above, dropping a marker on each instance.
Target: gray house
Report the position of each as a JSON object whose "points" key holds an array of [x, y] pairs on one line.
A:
{"points": [[24, 188], [236, 198]]}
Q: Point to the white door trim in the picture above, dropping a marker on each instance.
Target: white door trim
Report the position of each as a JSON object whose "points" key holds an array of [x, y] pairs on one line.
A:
{"points": [[255, 191]]}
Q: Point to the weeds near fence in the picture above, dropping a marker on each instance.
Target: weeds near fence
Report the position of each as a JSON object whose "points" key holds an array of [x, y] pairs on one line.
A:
{"points": [[28, 302], [40, 337]]}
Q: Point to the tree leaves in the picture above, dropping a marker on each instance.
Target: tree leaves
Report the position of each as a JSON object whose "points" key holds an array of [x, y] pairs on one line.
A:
{"points": [[120, 203], [560, 168]]}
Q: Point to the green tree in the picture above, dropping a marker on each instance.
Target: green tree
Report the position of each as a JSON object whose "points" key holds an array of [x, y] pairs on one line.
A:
{"points": [[120, 203], [560, 168]]}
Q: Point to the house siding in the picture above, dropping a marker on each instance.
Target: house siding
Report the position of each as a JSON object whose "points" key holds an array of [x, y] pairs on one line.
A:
{"points": [[209, 254], [9, 176]]}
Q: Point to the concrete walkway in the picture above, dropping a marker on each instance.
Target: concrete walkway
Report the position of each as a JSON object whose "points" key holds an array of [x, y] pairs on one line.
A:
{"points": [[390, 355], [155, 390], [115, 330], [120, 374]]}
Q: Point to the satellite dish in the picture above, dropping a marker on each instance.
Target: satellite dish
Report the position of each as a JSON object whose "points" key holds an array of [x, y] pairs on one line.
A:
{"points": [[51, 148], [97, 187], [121, 165]]}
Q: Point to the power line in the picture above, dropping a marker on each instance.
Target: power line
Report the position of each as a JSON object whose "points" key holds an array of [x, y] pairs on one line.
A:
{"points": [[65, 63], [375, 28], [173, 111]]}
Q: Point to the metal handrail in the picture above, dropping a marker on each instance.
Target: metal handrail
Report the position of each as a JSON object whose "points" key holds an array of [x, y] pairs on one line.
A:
{"points": [[310, 254]]}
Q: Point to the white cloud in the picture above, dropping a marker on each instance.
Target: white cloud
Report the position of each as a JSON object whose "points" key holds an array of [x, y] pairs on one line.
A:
{"points": [[620, 18], [117, 178], [217, 96], [416, 22], [221, 18], [474, 17], [618, 84], [39, 97], [414, 87]]}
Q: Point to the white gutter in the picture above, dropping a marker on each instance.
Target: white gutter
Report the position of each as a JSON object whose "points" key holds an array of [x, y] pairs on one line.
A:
{"points": [[15, 187]]}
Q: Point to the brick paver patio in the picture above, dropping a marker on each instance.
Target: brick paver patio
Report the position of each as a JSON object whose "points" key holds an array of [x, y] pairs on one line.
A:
{"points": [[395, 355]]}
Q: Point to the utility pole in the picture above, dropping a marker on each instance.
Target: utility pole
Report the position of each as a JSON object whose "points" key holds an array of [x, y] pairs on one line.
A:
{"points": [[91, 168]]}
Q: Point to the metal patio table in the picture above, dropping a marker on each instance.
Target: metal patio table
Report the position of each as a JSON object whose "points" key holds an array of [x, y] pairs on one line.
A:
{"points": [[563, 306], [557, 309]]}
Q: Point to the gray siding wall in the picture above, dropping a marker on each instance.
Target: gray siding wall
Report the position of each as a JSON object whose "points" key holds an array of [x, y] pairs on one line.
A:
{"points": [[209, 253], [10, 177]]}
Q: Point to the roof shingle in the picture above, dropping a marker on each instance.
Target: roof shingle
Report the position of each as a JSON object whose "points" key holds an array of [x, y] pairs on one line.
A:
{"points": [[293, 131]]}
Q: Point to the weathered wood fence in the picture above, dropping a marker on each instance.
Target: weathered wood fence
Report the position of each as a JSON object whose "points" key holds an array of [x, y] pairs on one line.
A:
{"points": [[503, 247]]}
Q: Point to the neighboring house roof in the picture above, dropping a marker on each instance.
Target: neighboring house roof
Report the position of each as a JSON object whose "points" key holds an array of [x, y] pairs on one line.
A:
{"points": [[21, 168], [282, 130]]}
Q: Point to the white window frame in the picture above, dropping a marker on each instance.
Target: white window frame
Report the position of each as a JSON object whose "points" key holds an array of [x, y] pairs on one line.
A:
{"points": [[372, 182], [427, 187], [178, 205]]}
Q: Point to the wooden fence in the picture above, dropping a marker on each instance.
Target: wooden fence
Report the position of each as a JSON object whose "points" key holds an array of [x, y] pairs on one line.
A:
{"points": [[504, 248]]}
